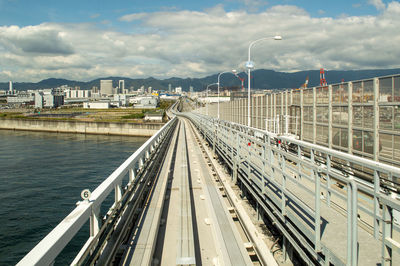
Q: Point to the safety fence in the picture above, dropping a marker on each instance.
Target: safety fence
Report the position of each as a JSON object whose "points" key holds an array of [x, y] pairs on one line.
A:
{"points": [[316, 196], [365, 111]]}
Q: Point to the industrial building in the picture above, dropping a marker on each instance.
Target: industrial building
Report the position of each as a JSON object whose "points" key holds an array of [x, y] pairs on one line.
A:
{"points": [[146, 102], [49, 100]]}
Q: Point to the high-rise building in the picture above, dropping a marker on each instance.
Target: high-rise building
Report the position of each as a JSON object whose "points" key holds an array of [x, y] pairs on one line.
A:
{"points": [[121, 86], [106, 87], [10, 87], [149, 90], [169, 87]]}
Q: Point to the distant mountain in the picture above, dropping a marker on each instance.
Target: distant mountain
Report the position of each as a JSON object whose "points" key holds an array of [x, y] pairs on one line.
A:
{"points": [[261, 79]]}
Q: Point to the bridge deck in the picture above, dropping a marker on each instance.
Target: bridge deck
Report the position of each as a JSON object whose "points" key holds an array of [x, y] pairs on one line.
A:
{"points": [[186, 222]]}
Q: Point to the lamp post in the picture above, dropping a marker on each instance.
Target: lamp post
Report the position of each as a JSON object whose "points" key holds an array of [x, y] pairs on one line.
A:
{"points": [[207, 94], [232, 72], [249, 66]]}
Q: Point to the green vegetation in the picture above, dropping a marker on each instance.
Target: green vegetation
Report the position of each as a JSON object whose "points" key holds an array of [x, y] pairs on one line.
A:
{"points": [[11, 115], [134, 116], [165, 104]]}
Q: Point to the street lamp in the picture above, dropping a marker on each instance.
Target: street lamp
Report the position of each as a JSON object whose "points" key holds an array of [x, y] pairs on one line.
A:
{"points": [[232, 72], [249, 66], [207, 94]]}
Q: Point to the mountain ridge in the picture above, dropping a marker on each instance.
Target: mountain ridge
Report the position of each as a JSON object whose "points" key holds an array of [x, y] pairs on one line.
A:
{"points": [[261, 79]]}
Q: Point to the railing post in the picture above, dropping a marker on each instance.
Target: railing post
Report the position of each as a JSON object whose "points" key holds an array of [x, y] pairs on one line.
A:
{"points": [[330, 117], [317, 198], [95, 221], [270, 158], [329, 181], [281, 162], [131, 175], [354, 229], [386, 233], [118, 192], [376, 117], [267, 106], [264, 157], [236, 159], [141, 163], [350, 118], [286, 112], [248, 158], [314, 115], [352, 234], [301, 114], [377, 188]]}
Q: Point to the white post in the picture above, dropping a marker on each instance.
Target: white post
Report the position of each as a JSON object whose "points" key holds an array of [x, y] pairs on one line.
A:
{"points": [[249, 66], [219, 75]]}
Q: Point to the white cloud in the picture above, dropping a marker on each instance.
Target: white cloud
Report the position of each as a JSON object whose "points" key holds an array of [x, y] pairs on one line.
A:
{"points": [[378, 4], [132, 17], [195, 44], [94, 16], [35, 40]]}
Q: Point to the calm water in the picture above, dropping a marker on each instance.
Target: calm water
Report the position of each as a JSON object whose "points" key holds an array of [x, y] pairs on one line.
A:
{"points": [[41, 178]]}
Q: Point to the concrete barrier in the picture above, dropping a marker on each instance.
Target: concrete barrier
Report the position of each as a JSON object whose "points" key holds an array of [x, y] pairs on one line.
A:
{"points": [[103, 128]]}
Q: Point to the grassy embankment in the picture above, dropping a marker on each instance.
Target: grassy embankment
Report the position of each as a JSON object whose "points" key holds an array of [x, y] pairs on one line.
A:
{"points": [[127, 115]]}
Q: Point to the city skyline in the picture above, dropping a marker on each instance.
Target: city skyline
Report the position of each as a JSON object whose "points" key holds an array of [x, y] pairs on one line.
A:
{"points": [[83, 41]]}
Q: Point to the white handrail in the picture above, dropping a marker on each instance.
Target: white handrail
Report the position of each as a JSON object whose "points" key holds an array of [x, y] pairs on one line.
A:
{"points": [[46, 251]]}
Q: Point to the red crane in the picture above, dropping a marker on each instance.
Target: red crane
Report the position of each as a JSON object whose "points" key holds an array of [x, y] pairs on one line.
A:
{"points": [[241, 79], [322, 80]]}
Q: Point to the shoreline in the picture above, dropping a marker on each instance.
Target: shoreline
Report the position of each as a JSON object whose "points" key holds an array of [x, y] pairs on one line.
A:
{"points": [[82, 127]]}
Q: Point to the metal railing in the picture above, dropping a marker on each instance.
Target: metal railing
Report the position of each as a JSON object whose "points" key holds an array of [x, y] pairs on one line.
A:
{"points": [[46, 251], [282, 172], [364, 111]]}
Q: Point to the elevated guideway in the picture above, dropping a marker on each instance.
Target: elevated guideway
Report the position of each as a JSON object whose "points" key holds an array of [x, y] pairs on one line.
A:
{"points": [[179, 200], [327, 215], [190, 225], [171, 211]]}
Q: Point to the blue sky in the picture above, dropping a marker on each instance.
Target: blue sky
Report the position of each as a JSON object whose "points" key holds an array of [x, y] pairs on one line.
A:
{"points": [[84, 40], [27, 12]]}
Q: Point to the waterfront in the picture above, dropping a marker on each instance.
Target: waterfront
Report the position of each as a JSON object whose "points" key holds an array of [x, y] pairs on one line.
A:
{"points": [[41, 177]]}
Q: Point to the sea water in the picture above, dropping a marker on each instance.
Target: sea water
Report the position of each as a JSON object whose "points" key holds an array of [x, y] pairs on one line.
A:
{"points": [[41, 178]]}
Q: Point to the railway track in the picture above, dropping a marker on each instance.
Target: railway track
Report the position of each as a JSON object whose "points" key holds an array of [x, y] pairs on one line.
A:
{"points": [[186, 219]]}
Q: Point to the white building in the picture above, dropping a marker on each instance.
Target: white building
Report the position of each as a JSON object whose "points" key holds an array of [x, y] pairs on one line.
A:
{"points": [[106, 87], [44, 99], [154, 116], [145, 102], [96, 105], [178, 90], [122, 98], [77, 94], [141, 90], [21, 98]]}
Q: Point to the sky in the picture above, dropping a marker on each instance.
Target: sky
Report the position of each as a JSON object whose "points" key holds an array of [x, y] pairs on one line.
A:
{"points": [[88, 39]]}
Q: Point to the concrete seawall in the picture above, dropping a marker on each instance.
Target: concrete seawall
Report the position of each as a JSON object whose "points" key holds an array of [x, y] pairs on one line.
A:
{"points": [[103, 128]]}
